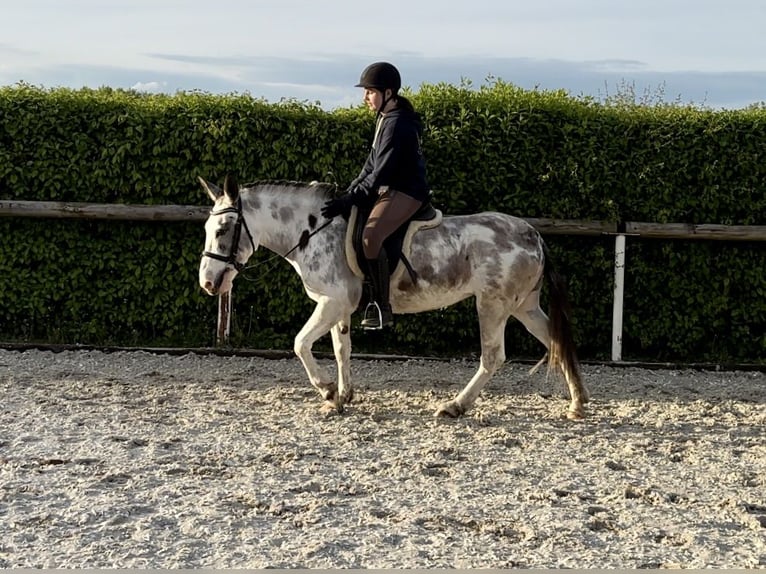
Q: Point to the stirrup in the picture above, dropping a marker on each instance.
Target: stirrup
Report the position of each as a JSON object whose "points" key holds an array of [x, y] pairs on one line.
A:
{"points": [[373, 317]]}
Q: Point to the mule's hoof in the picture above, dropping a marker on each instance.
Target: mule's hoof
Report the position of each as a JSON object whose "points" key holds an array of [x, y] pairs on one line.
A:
{"points": [[349, 398], [449, 409], [330, 394], [330, 408], [328, 391], [576, 415]]}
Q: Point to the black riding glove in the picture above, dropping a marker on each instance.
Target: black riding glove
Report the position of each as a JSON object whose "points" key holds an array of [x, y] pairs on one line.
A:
{"points": [[338, 205]]}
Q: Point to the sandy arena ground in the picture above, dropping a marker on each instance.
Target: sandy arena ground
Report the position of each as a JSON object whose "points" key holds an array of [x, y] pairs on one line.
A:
{"points": [[139, 460]]}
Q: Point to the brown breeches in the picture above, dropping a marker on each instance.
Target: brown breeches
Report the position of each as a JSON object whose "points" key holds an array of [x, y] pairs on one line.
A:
{"points": [[390, 210]]}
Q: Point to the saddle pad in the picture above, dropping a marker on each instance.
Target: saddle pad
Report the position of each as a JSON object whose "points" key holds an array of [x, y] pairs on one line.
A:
{"points": [[397, 245]]}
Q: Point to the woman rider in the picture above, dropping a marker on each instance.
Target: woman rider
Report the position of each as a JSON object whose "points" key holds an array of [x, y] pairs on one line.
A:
{"points": [[393, 179]]}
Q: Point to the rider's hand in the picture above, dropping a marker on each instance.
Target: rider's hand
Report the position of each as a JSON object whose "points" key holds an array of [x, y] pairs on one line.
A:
{"points": [[337, 206]]}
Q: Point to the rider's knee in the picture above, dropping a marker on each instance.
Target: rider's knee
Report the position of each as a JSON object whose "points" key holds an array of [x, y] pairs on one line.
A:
{"points": [[371, 244]]}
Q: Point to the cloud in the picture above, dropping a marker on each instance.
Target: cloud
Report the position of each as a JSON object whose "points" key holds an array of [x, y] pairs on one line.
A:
{"points": [[204, 60], [615, 65], [329, 78], [150, 87], [11, 50]]}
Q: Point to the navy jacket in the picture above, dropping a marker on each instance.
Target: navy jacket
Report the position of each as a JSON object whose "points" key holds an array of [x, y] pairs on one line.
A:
{"points": [[396, 159]]}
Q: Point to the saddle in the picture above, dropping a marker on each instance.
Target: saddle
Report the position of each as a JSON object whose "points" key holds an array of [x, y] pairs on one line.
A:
{"points": [[398, 245]]}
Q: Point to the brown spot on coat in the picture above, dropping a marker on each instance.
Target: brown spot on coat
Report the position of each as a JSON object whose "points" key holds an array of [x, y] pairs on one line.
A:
{"points": [[285, 214], [304, 240], [521, 234]]}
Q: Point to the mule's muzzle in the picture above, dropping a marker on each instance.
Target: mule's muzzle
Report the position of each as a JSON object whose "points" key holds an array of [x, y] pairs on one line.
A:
{"points": [[215, 283], [210, 288]]}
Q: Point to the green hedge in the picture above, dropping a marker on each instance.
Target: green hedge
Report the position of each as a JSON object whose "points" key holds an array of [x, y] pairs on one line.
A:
{"points": [[534, 154]]}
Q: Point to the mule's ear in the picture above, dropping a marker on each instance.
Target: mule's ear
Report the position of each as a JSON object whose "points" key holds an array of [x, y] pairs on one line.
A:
{"points": [[212, 189], [231, 188]]}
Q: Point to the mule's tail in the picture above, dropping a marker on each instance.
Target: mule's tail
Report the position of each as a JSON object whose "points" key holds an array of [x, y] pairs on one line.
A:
{"points": [[562, 352]]}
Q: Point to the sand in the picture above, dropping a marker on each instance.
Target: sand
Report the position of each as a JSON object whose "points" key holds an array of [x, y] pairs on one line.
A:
{"points": [[141, 460]]}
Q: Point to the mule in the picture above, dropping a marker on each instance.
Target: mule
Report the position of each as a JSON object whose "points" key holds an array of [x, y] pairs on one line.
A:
{"points": [[499, 259]]}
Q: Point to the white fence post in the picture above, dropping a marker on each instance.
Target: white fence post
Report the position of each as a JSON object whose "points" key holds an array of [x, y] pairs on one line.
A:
{"points": [[619, 290]]}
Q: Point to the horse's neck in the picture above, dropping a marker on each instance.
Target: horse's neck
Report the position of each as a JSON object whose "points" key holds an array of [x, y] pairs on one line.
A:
{"points": [[280, 215]]}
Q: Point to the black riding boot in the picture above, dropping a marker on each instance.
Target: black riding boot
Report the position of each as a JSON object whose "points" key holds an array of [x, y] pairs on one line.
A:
{"points": [[378, 313]]}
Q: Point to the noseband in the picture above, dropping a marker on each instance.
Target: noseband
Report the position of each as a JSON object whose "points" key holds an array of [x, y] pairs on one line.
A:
{"points": [[231, 259]]}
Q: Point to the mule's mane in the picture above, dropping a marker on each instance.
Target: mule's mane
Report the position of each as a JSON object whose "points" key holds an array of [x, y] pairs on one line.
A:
{"points": [[293, 186]]}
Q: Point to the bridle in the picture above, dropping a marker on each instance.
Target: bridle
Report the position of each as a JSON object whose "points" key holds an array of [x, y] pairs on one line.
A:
{"points": [[231, 258]]}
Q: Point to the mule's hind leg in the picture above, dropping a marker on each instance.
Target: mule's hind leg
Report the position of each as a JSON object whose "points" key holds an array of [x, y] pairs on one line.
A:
{"points": [[537, 323], [492, 319]]}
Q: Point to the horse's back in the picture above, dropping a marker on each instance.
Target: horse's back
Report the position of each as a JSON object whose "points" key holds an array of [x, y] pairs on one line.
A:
{"points": [[492, 230], [471, 255]]}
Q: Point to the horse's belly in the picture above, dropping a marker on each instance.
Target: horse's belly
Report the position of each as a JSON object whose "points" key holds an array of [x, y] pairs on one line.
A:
{"points": [[419, 300]]}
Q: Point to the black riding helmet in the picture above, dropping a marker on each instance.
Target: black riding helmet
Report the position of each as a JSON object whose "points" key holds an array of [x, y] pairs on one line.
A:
{"points": [[380, 76]]}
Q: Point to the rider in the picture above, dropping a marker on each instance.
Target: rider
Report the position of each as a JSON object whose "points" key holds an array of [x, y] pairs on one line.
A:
{"points": [[393, 179]]}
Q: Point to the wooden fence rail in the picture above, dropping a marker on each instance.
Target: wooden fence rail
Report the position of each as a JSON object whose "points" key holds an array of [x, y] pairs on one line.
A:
{"points": [[125, 212], [546, 226], [697, 231], [117, 211]]}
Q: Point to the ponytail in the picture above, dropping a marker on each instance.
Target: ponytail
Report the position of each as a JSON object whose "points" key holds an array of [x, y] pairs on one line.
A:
{"points": [[405, 104]]}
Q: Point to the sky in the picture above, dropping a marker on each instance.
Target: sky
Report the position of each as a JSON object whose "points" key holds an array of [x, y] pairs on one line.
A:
{"points": [[702, 52]]}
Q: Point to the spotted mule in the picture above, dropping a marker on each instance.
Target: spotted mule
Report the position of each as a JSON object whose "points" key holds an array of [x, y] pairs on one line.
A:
{"points": [[498, 259]]}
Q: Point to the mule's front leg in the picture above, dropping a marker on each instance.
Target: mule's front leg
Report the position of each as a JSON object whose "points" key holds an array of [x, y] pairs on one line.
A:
{"points": [[341, 344], [327, 314]]}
